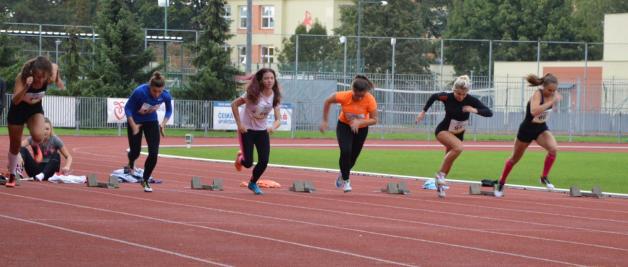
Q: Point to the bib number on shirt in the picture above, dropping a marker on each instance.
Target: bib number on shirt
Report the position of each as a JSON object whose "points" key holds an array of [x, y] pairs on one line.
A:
{"points": [[33, 98], [148, 108], [261, 113], [541, 118], [352, 116], [456, 127]]}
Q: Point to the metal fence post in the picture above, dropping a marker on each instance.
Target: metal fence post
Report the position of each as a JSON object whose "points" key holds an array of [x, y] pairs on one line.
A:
{"points": [[296, 57], [619, 130], [40, 29], [208, 107], [77, 106]]}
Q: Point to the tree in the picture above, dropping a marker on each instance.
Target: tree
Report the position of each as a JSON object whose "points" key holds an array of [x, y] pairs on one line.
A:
{"points": [[525, 20], [589, 21], [120, 56], [72, 65], [400, 18], [10, 62], [215, 79], [317, 53], [179, 13]]}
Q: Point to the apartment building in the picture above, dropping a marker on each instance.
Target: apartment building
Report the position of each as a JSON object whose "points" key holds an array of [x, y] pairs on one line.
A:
{"points": [[274, 20]]}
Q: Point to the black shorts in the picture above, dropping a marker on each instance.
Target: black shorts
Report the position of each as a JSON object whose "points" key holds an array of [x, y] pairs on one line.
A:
{"points": [[530, 131], [18, 115], [441, 127]]}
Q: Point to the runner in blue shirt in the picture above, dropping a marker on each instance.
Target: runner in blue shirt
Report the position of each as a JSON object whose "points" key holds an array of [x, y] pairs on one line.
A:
{"points": [[141, 114]]}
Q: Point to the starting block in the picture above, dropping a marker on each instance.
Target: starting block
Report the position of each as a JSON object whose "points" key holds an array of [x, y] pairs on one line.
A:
{"points": [[302, 186], [215, 186], [476, 189], [92, 181], [396, 188], [596, 192]]}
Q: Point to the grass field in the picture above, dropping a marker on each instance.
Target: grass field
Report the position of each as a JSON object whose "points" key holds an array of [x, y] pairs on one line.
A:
{"points": [[609, 170], [374, 134]]}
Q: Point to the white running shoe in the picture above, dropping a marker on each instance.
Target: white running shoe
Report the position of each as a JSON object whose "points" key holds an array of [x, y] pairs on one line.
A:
{"points": [[440, 190], [440, 179], [339, 181], [499, 190], [147, 187], [547, 183], [347, 186], [498, 193]]}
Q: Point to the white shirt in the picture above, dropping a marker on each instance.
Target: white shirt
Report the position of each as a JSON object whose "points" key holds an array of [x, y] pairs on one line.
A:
{"points": [[255, 116]]}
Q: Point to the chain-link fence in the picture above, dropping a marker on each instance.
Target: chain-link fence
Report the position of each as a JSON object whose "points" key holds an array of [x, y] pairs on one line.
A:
{"points": [[406, 71]]}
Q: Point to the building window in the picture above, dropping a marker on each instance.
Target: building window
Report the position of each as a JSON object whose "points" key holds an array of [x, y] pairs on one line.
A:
{"points": [[242, 24], [268, 54], [241, 54], [268, 17], [227, 12]]}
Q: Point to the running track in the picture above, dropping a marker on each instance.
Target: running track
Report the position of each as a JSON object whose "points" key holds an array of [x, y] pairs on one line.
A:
{"points": [[47, 224]]}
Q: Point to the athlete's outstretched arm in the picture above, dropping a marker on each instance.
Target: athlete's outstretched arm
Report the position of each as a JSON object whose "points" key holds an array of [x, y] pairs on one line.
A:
{"points": [[327, 104]]}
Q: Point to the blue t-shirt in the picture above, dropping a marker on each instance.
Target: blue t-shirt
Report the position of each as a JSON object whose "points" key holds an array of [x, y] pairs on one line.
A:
{"points": [[142, 106]]}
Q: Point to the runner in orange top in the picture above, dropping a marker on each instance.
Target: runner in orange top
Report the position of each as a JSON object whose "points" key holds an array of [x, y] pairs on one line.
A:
{"points": [[359, 110]]}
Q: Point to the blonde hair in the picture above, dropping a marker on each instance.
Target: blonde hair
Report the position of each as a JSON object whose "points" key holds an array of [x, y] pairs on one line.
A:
{"points": [[46, 120], [462, 82]]}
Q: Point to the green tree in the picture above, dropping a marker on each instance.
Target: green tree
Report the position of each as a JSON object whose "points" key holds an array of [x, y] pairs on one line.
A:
{"points": [[72, 65], [317, 51], [400, 18], [10, 62], [120, 59], [589, 21], [524, 20], [215, 79]]}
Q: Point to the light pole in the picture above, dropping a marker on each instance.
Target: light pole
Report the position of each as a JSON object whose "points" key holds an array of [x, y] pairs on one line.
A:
{"points": [[57, 43], [358, 52], [343, 40], [390, 98], [165, 4]]}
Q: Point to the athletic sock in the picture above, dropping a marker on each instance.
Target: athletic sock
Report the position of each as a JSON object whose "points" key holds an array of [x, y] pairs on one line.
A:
{"points": [[507, 168], [549, 162]]}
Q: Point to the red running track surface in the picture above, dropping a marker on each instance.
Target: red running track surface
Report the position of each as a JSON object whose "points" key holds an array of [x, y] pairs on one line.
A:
{"points": [[48, 224]]}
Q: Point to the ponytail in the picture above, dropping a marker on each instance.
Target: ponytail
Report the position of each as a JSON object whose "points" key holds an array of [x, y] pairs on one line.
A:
{"points": [[361, 83], [534, 80], [157, 80]]}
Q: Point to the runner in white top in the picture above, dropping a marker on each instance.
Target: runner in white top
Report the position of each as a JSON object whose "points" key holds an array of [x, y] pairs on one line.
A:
{"points": [[262, 96]]}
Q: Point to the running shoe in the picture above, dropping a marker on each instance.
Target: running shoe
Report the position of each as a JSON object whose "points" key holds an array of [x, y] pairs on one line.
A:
{"points": [[146, 186], [255, 188], [547, 183], [347, 186], [339, 181], [499, 190], [11, 181], [238, 161]]}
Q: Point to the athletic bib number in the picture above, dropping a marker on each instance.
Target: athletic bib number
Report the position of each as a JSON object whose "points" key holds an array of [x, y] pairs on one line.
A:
{"points": [[457, 127], [541, 118], [33, 98], [261, 113], [148, 108], [352, 116]]}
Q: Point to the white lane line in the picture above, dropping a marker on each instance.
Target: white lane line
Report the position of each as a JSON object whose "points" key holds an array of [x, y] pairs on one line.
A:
{"points": [[115, 240], [219, 230]]}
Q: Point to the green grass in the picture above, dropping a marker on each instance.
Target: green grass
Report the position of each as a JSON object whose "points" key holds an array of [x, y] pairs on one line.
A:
{"points": [[374, 134], [608, 170]]}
